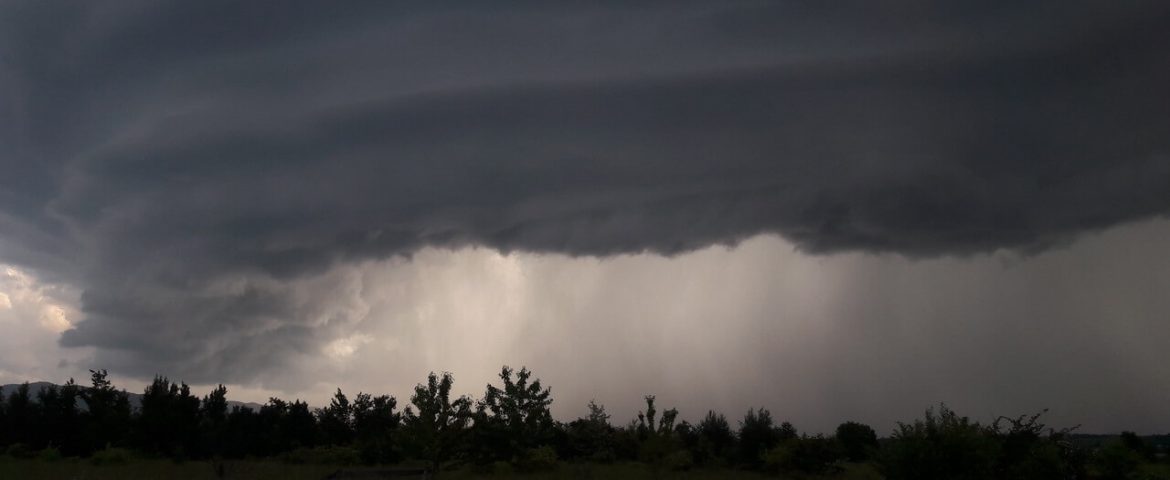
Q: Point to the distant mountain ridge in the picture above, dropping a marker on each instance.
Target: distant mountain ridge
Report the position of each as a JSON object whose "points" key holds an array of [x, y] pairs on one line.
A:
{"points": [[135, 398]]}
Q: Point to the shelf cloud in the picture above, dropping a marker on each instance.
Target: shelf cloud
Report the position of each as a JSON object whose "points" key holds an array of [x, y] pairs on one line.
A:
{"points": [[213, 175]]}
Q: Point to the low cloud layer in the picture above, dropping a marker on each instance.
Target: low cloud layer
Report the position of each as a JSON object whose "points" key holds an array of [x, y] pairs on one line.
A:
{"points": [[211, 175]]}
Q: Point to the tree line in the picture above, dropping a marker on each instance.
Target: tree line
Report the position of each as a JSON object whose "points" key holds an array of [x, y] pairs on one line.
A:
{"points": [[511, 426]]}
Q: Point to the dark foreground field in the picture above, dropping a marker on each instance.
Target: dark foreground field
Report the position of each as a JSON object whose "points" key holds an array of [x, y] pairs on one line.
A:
{"points": [[34, 469], [80, 469]]}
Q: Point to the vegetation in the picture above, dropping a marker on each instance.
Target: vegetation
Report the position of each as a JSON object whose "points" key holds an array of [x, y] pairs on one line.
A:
{"points": [[92, 432]]}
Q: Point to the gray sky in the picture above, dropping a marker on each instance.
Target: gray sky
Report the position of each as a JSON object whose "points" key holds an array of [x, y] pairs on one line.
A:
{"points": [[839, 212]]}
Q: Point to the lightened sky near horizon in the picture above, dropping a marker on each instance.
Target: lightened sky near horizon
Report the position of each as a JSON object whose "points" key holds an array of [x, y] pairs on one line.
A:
{"points": [[1080, 330], [838, 210]]}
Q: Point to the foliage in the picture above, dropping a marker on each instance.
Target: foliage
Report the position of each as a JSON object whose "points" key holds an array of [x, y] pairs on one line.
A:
{"points": [[336, 420], [111, 456], [512, 419], [1116, 461], [20, 450], [169, 419], [539, 459], [947, 446], [511, 430], [716, 441], [434, 431], [1028, 452], [49, 454], [375, 424], [592, 437], [808, 455], [758, 434], [940, 446], [858, 441]]}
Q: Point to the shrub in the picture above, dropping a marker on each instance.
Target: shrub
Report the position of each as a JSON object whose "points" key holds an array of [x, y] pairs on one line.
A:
{"points": [[858, 441], [111, 456], [20, 450], [50, 454], [1026, 452], [679, 460], [1116, 461], [539, 459], [812, 455], [939, 447]]}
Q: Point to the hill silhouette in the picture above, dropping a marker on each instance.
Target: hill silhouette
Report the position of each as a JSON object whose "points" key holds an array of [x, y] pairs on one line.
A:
{"points": [[135, 398]]}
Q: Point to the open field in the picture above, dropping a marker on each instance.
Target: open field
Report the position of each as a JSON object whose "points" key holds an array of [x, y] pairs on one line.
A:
{"points": [[33, 469], [79, 469]]}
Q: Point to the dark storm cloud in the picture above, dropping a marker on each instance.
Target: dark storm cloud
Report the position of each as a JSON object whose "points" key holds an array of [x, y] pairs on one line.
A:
{"points": [[156, 152]]}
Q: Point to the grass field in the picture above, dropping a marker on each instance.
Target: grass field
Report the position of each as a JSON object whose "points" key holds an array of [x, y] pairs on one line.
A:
{"points": [[65, 469], [77, 469]]}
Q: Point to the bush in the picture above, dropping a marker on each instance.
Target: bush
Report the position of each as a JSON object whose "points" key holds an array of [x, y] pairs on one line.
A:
{"points": [[680, 460], [20, 450], [50, 454], [1026, 452], [111, 456], [1116, 461], [939, 447], [539, 459], [812, 455], [858, 441]]}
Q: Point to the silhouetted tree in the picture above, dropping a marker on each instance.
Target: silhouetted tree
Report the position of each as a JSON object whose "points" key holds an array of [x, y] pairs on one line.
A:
{"points": [[336, 420], [108, 413], [858, 441], [513, 418], [513, 423], [1134, 442], [1028, 452], [808, 455], [374, 424], [757, 435], [300, 425], [1116, 461], [435, 424], [714, 440], [591, 437], [213, 412], [243, 433], [59, 422], [657, 440], [940, 446], [169, 419], [4, 427], [285, 426], [21, 413]]}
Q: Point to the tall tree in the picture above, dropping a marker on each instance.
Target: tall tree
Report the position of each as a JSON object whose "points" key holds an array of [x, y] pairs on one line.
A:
{"points": [[374, 424], [657, 439], [21, 412], [857, 440], [4, 428], [514, 417], [169, 419], [108, 412], [213, 413], [716, 440], [756, 436], [300, 425], [336, 420], [435, 424], [591, 437], [58, 419]]}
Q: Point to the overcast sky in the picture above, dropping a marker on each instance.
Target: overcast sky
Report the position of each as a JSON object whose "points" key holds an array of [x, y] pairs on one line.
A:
{"points": [[842, 210]]}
